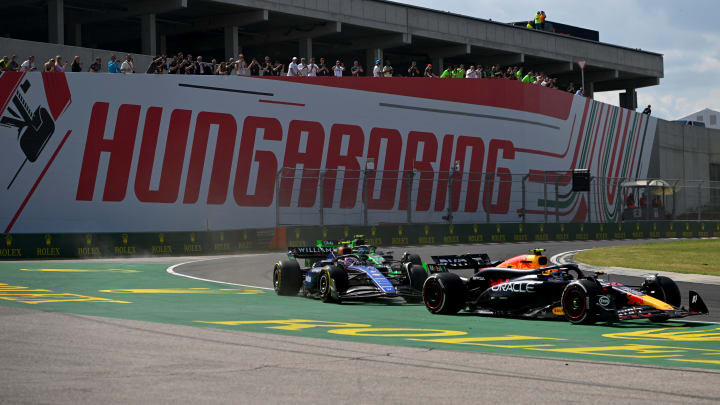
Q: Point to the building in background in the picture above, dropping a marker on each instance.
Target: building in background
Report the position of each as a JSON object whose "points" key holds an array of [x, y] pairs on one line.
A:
{"points": [[704, 118]]}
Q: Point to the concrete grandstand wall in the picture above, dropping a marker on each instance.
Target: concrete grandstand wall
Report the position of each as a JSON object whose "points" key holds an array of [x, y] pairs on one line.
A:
{"points": [[44, 51]]}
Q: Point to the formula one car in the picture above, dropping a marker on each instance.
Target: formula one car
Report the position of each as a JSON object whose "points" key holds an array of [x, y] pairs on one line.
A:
{"points": [[382, 260], [334, 277], [556, 292]]}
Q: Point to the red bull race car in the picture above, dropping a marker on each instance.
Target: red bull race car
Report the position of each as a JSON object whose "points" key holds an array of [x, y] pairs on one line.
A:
{"points": [[562, 291]]}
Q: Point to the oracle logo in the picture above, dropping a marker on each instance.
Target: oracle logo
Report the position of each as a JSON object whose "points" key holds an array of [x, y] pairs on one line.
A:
{"points": [[264, 144]]}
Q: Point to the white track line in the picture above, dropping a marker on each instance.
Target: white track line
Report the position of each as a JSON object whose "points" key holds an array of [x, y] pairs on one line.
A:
{"points": [[171, 270]]}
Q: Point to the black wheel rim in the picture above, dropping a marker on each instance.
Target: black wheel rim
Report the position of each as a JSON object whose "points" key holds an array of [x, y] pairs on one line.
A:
{"points": [[574, 303], [433, 294], [276, 279], [324, 285]]}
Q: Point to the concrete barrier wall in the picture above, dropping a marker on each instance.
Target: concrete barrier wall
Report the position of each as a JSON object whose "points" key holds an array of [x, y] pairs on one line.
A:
{"points": [[96, 245], [44, 51]]}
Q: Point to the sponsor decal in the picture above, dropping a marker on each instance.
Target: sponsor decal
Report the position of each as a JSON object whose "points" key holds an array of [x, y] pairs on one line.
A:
{"points": [[518, 287], [604, 300]]}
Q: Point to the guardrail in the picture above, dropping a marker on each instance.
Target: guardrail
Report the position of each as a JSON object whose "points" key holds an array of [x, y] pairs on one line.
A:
{"points": [[97, 245]]}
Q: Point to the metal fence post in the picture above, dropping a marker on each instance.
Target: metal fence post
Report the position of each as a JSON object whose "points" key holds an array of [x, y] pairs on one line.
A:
{"points": [[589, 197], [699, 201], [557, 202], [545, 195], [365, 196], [487, 195], [277, 196], [449, 196], [322, 197], [409, 175], [523, 214]]}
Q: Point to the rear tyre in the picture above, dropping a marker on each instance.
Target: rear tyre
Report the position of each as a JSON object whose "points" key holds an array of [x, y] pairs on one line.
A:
{"points": [[416, 278], [413, 258], [664, 289], [287, 277], [444, 293], [333, 281], [579, 300]]}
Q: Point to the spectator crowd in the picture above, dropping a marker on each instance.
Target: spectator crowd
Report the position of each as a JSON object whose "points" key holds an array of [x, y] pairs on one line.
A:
{"points": [[244, 66]]}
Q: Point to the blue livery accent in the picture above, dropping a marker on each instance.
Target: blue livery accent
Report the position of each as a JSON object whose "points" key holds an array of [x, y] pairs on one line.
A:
{"points": [[377, 278]]}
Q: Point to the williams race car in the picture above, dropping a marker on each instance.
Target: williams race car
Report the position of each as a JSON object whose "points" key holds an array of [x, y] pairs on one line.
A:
{"points": [[556, 292], [337, 275]]}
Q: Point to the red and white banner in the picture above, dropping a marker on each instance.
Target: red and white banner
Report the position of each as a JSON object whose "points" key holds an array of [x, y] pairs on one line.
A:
{"points": [[131, 153]]}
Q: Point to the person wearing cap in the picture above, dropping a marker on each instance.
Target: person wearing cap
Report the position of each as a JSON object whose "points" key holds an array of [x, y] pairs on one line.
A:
{"points": [[377, 69], [429, 72], [293, 67]]}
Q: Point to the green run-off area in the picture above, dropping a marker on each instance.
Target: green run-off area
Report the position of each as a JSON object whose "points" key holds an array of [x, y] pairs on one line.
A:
{"points": [[147, 292], [685, 256]]}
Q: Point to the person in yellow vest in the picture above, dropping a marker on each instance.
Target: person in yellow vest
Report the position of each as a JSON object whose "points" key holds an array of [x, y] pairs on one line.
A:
{"points": [[538, 21], [530, 25]]}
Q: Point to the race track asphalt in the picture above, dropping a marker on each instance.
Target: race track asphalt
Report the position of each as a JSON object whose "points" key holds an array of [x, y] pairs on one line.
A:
{"points": [[255, 270], [66, 358]]}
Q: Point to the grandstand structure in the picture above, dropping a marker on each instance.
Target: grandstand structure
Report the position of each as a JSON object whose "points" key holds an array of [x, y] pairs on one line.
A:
{"points": [[336, 29]]}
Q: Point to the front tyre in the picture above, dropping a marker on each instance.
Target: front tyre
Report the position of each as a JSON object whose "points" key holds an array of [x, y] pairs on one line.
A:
{"points": [[287, 277], [444, 293], [579, 300], [664, 289], [332, 282]]}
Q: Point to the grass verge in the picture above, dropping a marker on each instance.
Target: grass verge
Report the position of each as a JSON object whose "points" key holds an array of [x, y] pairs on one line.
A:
{"points": [[688, 256]]}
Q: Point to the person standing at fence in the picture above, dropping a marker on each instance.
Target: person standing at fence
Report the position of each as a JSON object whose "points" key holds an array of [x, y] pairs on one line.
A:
{"points": [[267, 67], [377, 69], [537, 20], [428, 71], [338, 69], [312, 68], [28, 65], [356, 70], [302, 68], [278, 68], [387, 69], [542, 20], [75, 67], [293, 67], [413, 71], [127, 66], [254, 67], [322, 68], [96, 67]]}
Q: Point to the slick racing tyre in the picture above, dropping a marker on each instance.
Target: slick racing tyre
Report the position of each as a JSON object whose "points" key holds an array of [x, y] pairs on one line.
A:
{"points": [[579, 300], [287, 277], [444, 293], [332, 278], [412, 258], [662, 288], [416, 278]]}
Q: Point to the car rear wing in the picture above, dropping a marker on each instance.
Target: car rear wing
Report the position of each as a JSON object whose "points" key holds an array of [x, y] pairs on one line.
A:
{"points": [[468, 261], [309, 252]]}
